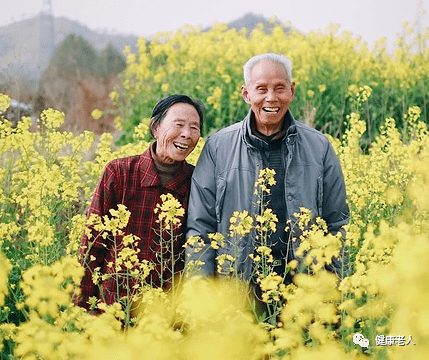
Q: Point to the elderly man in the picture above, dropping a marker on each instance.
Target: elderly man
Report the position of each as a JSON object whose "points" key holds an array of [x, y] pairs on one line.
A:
{"points": [[307, 172]]}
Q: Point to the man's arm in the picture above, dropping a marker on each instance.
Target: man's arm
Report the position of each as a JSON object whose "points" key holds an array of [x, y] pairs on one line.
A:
{"points": [[201, 219], [335, 210]]}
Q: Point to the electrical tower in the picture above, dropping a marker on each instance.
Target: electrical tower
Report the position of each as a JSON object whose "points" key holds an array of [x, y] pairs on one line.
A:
{"points": [[47, 34]]}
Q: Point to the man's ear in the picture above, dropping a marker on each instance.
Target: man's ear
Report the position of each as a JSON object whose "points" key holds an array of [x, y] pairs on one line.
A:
{"points": [[245, 94], [292, 88]]}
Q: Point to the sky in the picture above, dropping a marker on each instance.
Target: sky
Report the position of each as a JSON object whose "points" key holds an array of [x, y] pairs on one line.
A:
{"points": [[370, 19]]}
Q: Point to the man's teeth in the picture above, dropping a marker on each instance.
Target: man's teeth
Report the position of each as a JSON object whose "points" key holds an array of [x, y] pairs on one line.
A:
{"points": [[269, 109], [181, 146]]}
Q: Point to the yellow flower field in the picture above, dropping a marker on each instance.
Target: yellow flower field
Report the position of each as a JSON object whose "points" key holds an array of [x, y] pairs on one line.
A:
{"points": [[329, 68], [49, 176]]}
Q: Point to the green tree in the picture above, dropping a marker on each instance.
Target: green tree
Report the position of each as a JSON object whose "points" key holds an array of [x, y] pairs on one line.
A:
{"points": [[73, 55], [110, 61]]}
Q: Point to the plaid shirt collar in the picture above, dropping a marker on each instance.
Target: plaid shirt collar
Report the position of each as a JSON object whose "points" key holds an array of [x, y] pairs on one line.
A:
{"points": [[150, 177]]}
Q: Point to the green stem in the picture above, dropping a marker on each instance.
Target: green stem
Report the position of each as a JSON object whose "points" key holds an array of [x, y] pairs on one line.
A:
{"points": [[173, 285]]}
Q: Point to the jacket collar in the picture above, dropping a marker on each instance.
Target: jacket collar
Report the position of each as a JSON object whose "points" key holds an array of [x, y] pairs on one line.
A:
{"points": [[259, 143]]}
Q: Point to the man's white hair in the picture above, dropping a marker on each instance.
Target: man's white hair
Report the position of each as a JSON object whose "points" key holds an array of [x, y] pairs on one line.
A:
{"points": [[281, 59]]}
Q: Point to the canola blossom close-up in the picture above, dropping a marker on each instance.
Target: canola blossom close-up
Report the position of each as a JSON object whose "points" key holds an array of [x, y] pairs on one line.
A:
{"points": [[371, 104]]}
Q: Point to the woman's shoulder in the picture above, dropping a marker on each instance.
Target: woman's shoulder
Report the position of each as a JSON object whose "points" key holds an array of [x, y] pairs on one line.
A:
{"points": [[187, 168], [127, 163]]}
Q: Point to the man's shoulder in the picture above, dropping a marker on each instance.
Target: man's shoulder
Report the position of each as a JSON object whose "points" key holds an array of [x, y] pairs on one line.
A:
{"points": [[309, 131], [312, 135], [226, 133]]}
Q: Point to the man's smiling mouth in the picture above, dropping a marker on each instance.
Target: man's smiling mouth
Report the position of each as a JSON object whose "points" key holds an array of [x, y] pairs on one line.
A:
{"points": [[272, 110]]}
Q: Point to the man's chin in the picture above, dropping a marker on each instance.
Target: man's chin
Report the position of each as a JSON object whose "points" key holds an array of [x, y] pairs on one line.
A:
{"points": [[270, 120]]}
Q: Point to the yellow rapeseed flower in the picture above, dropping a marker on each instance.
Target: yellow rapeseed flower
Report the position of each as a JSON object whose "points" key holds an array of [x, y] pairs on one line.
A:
{"points": [[169, 211], [5, 267], [241, 223], [265, 179], [52, 118], [97, 114], [217, 240], [4, 102], [165, 87]]}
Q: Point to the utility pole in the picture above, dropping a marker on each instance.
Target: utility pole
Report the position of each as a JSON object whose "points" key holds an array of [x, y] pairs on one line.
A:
{"points": [[47, 34]]}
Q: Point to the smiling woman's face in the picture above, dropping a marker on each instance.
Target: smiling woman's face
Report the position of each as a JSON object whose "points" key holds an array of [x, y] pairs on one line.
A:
{"points": [[178, 133], [269, 92]]}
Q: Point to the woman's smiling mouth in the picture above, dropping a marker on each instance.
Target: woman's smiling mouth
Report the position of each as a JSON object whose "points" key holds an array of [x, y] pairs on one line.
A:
{"points": [[181, 146]]}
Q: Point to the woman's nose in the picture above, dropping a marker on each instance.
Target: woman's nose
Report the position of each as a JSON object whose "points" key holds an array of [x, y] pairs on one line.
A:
{"points": [[186, 132]]}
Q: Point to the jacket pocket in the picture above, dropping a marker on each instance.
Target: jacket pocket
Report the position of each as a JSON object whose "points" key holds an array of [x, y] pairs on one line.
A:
{"points": [[320, 195], [220, 197]]}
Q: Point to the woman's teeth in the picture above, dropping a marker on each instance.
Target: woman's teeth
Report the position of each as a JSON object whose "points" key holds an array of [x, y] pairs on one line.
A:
{"points": [[181, 146]]}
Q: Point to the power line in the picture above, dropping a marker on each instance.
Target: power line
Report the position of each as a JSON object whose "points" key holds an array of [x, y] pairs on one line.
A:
{"points": [[47, 33]]}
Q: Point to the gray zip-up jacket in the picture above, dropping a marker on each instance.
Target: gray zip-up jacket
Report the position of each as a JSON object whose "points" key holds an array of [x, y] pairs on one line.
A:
{"points": [[224, 178]]}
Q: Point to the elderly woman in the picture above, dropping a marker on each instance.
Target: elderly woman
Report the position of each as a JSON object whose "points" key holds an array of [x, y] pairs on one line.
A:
{"points": [[138, 183]]}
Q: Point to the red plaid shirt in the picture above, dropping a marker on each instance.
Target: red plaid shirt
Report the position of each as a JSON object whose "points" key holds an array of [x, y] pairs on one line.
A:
{"points": [[134, 182]]}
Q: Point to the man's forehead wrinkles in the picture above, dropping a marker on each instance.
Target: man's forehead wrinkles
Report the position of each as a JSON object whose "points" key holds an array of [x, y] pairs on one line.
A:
{"points": [[269, 82]]}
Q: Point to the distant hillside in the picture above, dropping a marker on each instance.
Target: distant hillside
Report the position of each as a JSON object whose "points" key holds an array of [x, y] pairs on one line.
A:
{"points": [[20, 42], [250, 21], [42, 77], [20, 50]]}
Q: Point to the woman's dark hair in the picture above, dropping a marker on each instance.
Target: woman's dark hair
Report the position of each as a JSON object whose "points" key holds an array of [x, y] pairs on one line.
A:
{"points": [[163, 105]]}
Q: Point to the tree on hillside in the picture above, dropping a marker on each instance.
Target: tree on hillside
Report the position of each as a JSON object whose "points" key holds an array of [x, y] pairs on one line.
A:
{"points": [[73, 55], [79, 80], [110, 62]]}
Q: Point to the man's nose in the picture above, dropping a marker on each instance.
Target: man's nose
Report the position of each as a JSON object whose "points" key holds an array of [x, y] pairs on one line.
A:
{"points": [[270, 95]]}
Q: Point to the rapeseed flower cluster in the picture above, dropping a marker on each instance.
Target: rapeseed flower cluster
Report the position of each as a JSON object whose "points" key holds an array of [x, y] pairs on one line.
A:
{"points": [[241, 223], [52, 118], [169, 211], [4, 102], [6, 267]]}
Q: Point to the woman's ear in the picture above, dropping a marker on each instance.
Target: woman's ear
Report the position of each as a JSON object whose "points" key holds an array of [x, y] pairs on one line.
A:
{"points": [[155, 130]]}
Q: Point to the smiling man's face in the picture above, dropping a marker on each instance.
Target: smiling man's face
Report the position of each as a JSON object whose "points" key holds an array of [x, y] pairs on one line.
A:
{"points": [[269, 92]]}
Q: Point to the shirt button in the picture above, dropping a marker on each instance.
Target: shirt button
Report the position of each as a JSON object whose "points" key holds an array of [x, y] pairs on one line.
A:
{"points": [[289, 198]]}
